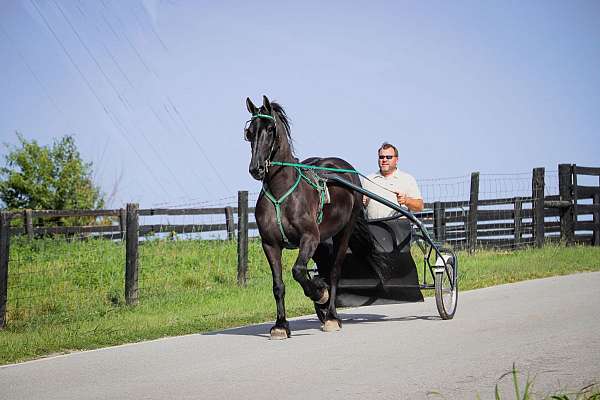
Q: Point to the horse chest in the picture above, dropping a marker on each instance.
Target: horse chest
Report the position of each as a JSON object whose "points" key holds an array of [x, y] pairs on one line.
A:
{"points": [[282, 224]]}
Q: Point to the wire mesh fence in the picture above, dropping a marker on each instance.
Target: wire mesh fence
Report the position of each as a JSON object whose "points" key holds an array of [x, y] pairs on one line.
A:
{"points": [[498, 213], [179, 264], [63, 278], [71, 272]]}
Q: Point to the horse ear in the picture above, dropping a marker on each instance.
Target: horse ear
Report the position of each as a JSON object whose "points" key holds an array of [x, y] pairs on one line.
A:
{"points": [[251, 107], [267, 105]]}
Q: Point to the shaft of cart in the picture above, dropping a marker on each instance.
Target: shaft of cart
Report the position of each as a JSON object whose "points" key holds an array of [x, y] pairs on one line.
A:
{"points": [[409, 215]]}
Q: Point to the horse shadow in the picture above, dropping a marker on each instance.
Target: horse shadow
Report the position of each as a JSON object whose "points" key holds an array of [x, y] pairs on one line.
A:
{"points": [[305, 326]]}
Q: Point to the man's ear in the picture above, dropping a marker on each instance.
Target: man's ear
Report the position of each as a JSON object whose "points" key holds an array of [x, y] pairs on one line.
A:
{"points": [[251, 107], [267, 105]]}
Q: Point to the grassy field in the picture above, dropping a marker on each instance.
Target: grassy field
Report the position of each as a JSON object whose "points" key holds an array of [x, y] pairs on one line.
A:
{"points": [[69, 296]]}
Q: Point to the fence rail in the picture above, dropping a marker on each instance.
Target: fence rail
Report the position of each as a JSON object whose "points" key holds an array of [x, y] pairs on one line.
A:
{"points": [[571, 216]]}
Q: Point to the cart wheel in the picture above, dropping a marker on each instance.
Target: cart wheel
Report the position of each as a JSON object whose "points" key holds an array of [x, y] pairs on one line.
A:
{"points": [[446, 293]]}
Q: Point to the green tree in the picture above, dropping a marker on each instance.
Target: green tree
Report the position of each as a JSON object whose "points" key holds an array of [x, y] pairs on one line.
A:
{"points": [[50, 178]]}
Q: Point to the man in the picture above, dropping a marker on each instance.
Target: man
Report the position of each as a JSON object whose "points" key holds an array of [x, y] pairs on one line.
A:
{"points": [[396, 186]]}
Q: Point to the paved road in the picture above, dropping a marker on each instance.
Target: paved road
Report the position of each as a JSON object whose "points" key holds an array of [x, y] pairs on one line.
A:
{"points": [[549, 328]]}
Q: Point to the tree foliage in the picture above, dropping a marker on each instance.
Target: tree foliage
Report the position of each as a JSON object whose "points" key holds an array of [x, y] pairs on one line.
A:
{"points": [[50, 178]]}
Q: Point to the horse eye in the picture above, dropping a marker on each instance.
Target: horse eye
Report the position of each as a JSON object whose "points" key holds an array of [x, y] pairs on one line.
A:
{"points": [[270, 129]]}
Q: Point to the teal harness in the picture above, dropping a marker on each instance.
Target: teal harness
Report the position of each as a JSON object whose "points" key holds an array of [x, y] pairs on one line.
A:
{"points": [[318, 183], [306, 173]]}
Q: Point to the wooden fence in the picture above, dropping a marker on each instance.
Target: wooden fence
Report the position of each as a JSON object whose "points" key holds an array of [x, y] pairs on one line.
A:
{"points": [[518, 221], [468, 224]]}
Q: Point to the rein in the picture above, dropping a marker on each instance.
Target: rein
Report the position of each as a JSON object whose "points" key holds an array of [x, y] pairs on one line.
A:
{"points": [[305, 166], [319, 183]]}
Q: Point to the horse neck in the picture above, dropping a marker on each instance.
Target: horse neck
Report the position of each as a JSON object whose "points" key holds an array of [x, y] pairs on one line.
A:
{"points": [[279, 179]]}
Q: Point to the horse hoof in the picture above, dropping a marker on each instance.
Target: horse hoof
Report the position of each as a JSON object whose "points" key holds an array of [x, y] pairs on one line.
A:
{"points": [[278, 334], [331, 325], [324, 298]]}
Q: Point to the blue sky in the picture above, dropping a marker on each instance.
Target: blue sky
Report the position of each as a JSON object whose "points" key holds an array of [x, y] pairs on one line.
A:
{"points": [[154, 91]]}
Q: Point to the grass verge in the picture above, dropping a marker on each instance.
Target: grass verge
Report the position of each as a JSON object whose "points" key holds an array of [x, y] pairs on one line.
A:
{"points": [[69, 296]]}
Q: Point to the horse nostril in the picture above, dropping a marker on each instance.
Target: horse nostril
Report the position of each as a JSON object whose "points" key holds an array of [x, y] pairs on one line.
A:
{"points": [[257, 172]]}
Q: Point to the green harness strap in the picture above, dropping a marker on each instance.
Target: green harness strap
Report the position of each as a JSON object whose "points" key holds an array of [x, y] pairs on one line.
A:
{"points": [[319, 185], [304, 166], [277, 204]]}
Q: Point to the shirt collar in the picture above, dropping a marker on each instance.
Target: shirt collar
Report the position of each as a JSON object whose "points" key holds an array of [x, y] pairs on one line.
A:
{"points": [[379, 175]]}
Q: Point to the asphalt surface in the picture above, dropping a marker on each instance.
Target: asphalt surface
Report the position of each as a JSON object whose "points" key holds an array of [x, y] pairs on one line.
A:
{"points": [[550, 328]]}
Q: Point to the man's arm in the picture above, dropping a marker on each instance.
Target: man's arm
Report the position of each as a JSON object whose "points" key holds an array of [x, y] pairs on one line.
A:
{"points": [[414, 205]]}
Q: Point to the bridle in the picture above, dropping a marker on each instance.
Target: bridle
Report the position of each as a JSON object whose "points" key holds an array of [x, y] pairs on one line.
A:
{"points": [[272, 151]]}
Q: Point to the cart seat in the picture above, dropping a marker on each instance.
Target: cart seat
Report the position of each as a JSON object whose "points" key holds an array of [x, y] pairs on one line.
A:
{"points": [[360, 284]]}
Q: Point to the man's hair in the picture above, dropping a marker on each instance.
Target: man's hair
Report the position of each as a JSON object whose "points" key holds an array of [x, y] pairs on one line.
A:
{"points": [[386, 145]]}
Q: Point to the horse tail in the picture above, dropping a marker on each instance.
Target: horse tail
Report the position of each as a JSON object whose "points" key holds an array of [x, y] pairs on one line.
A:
{"points": [[362, 243]]}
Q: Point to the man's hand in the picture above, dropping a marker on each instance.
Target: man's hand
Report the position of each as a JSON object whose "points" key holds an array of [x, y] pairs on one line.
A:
{"points": [[414, 205], [401, 198]]}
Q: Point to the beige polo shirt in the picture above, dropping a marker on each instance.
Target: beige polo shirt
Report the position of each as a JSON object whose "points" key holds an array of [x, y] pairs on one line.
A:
{"points": [[397, 182]]}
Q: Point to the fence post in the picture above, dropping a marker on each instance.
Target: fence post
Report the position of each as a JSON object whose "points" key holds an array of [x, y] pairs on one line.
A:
{"points": [[242, 244], [229, 223], [4, 254], [565, 190], [439, 221], [472, 219], [518, 221], [28, 222], [537, 193], [123, 222], [596, 236], [131, 255]]}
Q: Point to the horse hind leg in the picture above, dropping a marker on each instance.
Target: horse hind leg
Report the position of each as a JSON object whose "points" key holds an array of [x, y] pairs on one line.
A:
{"points": [[340, 246]]}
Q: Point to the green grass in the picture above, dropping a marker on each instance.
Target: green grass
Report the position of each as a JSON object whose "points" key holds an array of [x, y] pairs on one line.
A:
{"points": [[69, 296], [523, 388]]}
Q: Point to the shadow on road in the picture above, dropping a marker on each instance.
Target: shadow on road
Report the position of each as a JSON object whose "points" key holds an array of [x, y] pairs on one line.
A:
{"points": [[300, 326]]}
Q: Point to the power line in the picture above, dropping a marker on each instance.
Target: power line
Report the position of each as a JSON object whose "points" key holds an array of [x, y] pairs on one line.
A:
{"points": [[139, 56], [171, 130], [164, 46], [148, 142], [36, 77], [97, 171], [114, 119], [189, 132], [121, 98], [160, 120], [183, 122]]}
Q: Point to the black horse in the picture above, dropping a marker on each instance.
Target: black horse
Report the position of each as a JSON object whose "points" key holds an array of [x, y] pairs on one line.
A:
{"points": [[295, 210]]}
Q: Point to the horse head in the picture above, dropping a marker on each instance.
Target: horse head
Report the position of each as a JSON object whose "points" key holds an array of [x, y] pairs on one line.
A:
{"points": [[261, 132]]}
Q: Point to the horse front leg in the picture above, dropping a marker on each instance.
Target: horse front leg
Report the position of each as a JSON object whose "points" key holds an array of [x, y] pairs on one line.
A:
{"points": [[316, 290], [281, 329]]}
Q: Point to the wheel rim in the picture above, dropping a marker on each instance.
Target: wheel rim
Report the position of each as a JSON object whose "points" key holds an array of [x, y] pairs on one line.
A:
{"points": [[448, 292]]}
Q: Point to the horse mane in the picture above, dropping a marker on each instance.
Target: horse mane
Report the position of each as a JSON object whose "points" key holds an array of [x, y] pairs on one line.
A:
{"points": [[285, 120]]}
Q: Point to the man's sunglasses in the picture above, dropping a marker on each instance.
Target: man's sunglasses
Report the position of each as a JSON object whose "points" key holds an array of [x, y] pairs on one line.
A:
{"points": [[388, 157]]}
